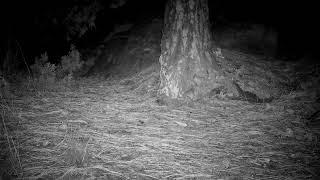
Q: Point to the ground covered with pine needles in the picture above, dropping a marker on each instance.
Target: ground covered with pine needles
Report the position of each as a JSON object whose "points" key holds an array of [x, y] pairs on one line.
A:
{"points": [[117, 129]]}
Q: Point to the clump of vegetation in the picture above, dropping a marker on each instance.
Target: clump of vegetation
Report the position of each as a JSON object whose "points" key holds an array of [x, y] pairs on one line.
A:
{"points": [[49, 75], [44, 72], [70, 64]]}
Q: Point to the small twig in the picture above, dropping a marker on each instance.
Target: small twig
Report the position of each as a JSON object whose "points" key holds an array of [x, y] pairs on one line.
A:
{"points": [[24, 59], [25, 62], [85, 150]]}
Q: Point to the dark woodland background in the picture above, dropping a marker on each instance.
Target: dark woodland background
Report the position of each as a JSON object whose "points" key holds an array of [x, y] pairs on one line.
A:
{"points": [[38, 25]]}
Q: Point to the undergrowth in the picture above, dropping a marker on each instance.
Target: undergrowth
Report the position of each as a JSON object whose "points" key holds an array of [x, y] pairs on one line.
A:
{"points": [[46, 75]]}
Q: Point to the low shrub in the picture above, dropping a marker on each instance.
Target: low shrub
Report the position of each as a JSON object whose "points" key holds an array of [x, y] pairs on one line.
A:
{"points": [[48, 75]]}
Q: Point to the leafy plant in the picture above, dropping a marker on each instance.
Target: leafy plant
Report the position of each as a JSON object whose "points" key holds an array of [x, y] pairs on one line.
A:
{"points": [[42, 69], [70, 64], [46, 75]]}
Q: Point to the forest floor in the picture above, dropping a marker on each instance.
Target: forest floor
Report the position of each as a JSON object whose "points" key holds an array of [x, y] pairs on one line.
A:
{"points": [[117, 129]]}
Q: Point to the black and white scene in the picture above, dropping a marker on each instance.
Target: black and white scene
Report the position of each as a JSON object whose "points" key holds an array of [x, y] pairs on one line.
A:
{"points": [[159, 90]]}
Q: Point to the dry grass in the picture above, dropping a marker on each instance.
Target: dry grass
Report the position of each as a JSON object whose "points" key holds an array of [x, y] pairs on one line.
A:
{"points": [[115, 129]]}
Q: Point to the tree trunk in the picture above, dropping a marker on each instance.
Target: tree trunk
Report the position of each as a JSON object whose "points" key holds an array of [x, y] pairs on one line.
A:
{"points": [[189, 68]]}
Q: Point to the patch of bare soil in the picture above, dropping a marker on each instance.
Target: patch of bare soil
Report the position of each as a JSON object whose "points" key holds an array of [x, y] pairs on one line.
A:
{"points": [[117, 129]]}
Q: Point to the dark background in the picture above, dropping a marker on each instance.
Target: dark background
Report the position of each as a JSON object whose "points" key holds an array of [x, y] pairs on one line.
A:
{"points": [[36, 26]]}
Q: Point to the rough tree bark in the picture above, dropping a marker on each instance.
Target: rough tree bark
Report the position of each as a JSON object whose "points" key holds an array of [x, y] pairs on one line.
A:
{"points": [[189, 68]]}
